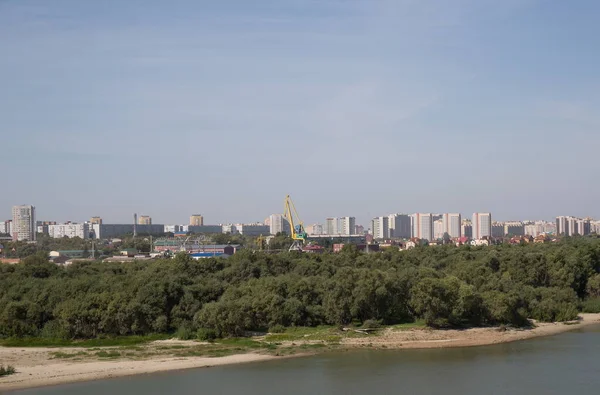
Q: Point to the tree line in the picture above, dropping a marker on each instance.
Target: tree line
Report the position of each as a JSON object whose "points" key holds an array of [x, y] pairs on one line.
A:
{"points": [[252, 291]]}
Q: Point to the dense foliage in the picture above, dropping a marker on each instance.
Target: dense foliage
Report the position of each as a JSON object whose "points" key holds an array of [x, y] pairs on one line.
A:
{"points": [[446, 286]]}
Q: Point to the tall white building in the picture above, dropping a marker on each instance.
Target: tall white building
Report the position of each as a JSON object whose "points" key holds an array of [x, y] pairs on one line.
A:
{"points": [[340, 226], [595, 227], [562, 226], [380, 227], [400, 226], [422, 226], [278, 224], [482, 225], [438, 229], [452, 224], [69, 230], [330, 226], [24, 225]]}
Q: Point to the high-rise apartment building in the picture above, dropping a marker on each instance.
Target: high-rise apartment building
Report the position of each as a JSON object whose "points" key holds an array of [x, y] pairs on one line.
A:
{"points": [[380, 227], [583, 227], [24, 225], [314, 229], [466, 228], [498, 229], [400, 226], [340, 226], [359, 230], [346, 226], [69, 230], [278, 224], [438, 229], [96, 220], [196, 220], [514, 229], [452, 224], [482, 225], [330, 226], [144, 220], [571, 226], [422, 226], [562, 226]]}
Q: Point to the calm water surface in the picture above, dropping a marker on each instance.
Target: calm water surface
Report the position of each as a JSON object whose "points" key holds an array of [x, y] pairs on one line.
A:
{"points": [[564, 364]]}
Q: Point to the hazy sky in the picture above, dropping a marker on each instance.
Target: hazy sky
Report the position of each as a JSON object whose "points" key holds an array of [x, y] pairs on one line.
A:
{"points": [[355, 107]]}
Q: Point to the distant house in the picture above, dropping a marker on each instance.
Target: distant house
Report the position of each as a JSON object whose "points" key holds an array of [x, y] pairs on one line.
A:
{"points": [[130, 252], [68, 253]]}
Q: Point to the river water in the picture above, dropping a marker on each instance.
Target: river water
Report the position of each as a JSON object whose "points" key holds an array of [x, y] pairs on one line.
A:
{"points": [[563, 364]]}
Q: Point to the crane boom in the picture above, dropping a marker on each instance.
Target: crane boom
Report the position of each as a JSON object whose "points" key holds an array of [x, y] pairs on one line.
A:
{"points": [[297, 231]]}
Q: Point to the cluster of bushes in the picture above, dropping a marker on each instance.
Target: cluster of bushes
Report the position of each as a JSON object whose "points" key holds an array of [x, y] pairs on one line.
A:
{"points": [[6, 371], [445, 286]]}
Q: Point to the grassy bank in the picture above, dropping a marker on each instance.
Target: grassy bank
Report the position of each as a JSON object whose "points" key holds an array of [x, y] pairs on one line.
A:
{"points": [[100, 342]]}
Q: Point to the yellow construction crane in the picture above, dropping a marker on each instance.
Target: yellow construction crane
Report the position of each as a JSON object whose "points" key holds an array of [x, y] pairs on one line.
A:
{"points": [[297, 231]]}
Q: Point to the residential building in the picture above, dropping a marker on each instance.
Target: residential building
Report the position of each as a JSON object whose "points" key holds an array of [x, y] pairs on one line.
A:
{"points": [[314, 229], [23, 223], [498, 229], [205, 229], [562, 226], [400, 226], [253, 229], [331, 226], [466, 228], [482, 225], [452, 224], [345, 226], [229, 228], [583, 227], [196, 220], [144, 220], [595, 227], [380, 227], [4, 229], [340, 226], [359, 230], [422, 226], [514, 228], [107, 231], [95, 220], [69, 230], [438, 229], [173, 228], [278, 224], [537, 228]]}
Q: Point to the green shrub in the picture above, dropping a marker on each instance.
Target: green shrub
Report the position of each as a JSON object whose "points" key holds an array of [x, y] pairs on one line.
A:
{"points": [[371, 324], [206, 334], [6, 371], [277, 329], [591, 305], [185, 332]]}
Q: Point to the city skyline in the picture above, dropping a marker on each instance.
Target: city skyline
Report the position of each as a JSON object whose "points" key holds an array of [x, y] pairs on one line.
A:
{"points": [[491, 93], [320, 221]]}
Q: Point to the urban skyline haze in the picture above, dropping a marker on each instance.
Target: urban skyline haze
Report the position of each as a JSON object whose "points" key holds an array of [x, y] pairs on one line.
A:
{"points": [[354, 108]]}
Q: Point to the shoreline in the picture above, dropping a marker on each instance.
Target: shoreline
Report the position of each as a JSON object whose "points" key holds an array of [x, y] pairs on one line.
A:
{"points": [[69, 372], [36, 368], [473, 337]]}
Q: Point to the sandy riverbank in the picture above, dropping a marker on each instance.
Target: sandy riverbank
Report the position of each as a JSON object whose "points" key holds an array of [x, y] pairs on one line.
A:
{"points": [[39, 366], [429, 338], [51, 372]]}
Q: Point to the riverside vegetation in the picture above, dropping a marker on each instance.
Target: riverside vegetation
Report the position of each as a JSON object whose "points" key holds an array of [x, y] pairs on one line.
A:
{"points": [[442, 287]]}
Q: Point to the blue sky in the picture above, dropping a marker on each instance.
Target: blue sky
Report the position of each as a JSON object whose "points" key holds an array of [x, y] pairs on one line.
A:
{"points": [[355, 107]]}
